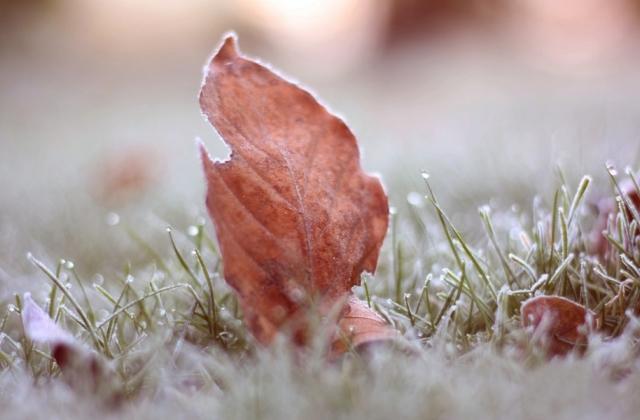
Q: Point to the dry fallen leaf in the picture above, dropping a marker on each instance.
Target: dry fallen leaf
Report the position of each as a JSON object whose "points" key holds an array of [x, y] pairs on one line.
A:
{"points": [[40, 328], [606, 207], [296, 218], [561, 324], [82, 369], [360, 326], [125, 175]]}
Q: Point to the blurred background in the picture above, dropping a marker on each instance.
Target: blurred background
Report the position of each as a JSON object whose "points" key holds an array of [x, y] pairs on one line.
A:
{"points": [[99, 111]]}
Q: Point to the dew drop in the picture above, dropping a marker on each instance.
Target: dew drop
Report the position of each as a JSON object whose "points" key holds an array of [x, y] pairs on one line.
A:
{"points": [[129, 279], [192, 230], [415, 199], [112, 219], [98, 279], [296, 294], [69, 265]]}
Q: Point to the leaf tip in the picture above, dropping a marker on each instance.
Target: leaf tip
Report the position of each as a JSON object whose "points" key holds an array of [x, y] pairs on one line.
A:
{"points": [[226, 53], [228, 49]]}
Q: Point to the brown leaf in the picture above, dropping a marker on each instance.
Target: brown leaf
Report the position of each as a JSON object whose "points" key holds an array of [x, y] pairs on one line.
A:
{"points": [[39, 328], [560, 322], [296, 218], [82, 369], [607, 206], [126, 175], [360, 326]]}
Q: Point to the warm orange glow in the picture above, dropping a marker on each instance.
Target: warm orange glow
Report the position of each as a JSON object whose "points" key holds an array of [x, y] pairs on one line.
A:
{"points": [[573, 33], [334, 34]]}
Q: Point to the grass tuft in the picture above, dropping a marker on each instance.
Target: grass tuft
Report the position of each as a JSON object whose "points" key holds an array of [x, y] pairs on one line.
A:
{"points": [[168, 325]]}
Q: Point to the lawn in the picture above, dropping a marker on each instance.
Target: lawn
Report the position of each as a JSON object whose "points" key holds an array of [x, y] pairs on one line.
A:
{"points": [[494, 200]]}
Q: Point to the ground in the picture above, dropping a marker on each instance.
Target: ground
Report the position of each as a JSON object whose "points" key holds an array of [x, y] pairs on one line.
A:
{"points": [[502, 159]]}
